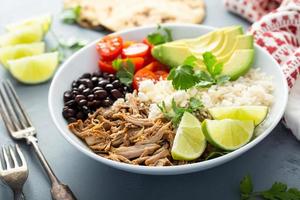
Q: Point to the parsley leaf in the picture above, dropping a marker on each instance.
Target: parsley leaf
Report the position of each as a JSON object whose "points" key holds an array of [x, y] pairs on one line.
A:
{"points": [[160, 36], [182, 77], [278, 191], [176, 112], [213, 67], [125, 70], [190, 60], [70, 15]]}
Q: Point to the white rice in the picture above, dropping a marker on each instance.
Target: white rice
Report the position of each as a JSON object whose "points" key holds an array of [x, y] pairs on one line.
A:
{"points": [[255, 88]]}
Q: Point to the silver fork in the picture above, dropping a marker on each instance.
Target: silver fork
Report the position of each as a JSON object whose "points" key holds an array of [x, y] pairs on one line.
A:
{"points": [[20, 127], [13, 172]]}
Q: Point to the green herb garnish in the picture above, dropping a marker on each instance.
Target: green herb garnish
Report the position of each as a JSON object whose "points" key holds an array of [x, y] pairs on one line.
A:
{"points": [[71, 15], [125, 70], [184, 76], [177, 112], [160, 36], [278, 191], [67, 47]]}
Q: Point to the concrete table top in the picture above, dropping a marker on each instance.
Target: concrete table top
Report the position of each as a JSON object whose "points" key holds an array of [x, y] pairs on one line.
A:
{"points": [[277, 158]]}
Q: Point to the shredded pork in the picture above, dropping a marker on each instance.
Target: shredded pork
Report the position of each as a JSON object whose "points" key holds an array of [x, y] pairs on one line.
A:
{"points": [[124, 133]]}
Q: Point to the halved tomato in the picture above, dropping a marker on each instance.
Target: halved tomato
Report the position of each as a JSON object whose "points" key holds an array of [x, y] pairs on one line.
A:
{"points": [[142, 74], [109, 47], [135, 50], [106, 66]]}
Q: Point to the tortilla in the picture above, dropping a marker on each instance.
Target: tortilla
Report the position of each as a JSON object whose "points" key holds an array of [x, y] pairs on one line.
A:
{"points": [[116, 15]]}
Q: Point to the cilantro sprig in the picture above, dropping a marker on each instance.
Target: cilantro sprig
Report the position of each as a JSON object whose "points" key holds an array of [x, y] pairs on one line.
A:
{"points": [[70, 15], [176, 112], [278, 191], [184, 77], [125, 70], [160, 36], [67, 47]]}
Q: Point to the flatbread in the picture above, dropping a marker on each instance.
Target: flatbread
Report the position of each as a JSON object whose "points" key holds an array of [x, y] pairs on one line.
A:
{"points": [[116, 15]]}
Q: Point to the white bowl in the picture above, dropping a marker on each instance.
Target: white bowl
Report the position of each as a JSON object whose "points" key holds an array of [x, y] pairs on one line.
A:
{"points": [[85, 60]]}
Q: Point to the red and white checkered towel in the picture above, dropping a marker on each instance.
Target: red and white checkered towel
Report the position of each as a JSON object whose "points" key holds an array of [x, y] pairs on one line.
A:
{"points": [[276, 27]]}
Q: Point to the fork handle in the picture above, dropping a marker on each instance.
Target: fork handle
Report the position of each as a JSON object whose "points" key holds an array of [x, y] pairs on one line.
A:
{"points": [[18, 195], [59, 191]]}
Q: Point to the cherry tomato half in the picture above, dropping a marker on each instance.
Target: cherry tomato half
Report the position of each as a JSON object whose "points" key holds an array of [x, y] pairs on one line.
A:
{"points": [[106, 66], [135, 50], [109, 47], [145, 41], [138, 63], [161, 74]]}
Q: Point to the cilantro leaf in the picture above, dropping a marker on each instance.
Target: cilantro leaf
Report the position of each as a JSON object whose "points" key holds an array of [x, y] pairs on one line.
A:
{"points": [[70, 15], [190, 60], [214, 154], [246, 187], [176, 112], [222, 79], [125, 70], [182, 77], [160, 36], [209, 60], [278, 191]]}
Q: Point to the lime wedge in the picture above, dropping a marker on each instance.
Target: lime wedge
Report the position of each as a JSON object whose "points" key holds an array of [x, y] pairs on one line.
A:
{"points": [[43, 20], [189, 142], [20, 51], [228, 134], [34, 69], [28, 34], [255, 113]]}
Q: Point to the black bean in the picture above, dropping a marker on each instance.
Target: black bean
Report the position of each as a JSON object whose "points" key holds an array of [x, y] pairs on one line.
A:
{"points": [[116, 93], [101, 79], [90, 97], [97, 88], [96, 103], [80, 115], [94, 80], [86, 92], [130, 89], [74, 84], [100, 94], [74, 93], [70, 103], [90, 103], [105, 75], [103, 83], [116, 83], [85, 109], [112, 77], [87, 82], [69, 113], [86, 75], [109, 87], [81, 88], [71, 119], [106, 103], [79, 97], [82, 102], [96, 74], [67, 96]]}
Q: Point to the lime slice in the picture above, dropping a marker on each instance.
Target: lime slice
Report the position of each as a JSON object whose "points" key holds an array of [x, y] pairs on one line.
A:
{"points": [[43, 20], [255, 113], [228, 134], [20, 51], [34, 69], [28, 34], [189, 142]]}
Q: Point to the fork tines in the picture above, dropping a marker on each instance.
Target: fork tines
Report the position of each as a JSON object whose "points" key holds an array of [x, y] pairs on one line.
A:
{"points": [[11, 110], [12, 160]]}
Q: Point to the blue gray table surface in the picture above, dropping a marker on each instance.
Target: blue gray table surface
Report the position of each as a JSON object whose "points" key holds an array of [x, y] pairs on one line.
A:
{"points": [[277, 158]]}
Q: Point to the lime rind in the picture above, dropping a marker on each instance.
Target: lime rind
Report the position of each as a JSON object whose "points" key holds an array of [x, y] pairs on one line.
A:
{"points": [[20, 51], [34, 69], [228, 134], [255, 113], [189, 142]]}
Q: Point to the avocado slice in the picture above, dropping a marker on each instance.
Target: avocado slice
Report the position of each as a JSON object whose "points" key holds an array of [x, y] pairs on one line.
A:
{"points": [[241, 42], [230, 37], [239, 63], [171, 55]]}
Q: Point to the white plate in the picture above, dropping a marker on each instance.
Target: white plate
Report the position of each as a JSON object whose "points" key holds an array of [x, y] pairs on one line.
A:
{"points": [[85, 60]]}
